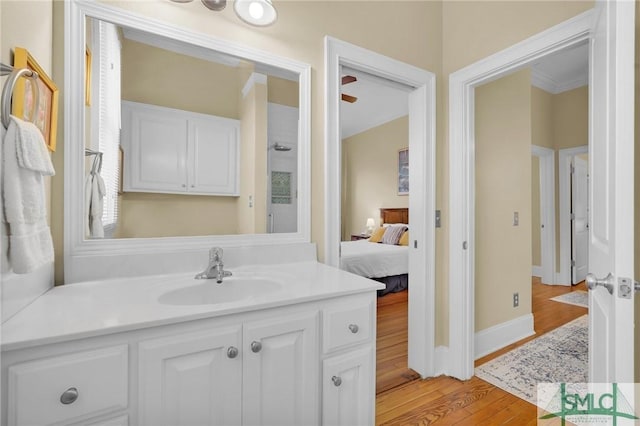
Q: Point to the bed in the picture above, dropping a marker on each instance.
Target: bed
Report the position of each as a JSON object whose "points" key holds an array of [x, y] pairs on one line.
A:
{"points": [[386, 263]]}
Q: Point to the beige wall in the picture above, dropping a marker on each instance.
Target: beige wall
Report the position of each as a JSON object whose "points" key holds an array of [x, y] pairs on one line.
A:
{"points": [[438, 36], [283, 92], [251, 205], [413, 34], [370, 170], [167, 215], [160, 77], [503, 186], [473, 30]]}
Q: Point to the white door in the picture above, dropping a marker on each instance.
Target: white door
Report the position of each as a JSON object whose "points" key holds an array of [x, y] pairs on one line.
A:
{"points": [[280, 371], [191, 379], [580, 222], [611, 198]]}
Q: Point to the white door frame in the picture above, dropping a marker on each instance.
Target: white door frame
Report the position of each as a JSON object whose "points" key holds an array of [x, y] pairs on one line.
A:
{"points": [[462, 86], [564, 183], [421, 203], [547, 212]]}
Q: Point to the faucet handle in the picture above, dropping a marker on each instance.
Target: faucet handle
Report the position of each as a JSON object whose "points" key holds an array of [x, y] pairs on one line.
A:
{"points": [[215, 254]]}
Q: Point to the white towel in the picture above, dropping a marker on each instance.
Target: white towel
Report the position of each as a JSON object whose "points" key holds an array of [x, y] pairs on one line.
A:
{"points": [[30, 244], [95, 214]]}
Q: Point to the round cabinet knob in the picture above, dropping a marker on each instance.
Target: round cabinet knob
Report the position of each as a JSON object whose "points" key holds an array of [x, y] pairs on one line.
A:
{"points": [[184, 185], [354, 328], [232, 352], [256, 346], [69, 396], [337, 381]]}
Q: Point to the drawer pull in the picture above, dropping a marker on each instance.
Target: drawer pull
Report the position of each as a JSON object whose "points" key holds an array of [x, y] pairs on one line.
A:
{"points": [[232, 352], [337, 381], [256, 347], [354, 328], [69, 396]]}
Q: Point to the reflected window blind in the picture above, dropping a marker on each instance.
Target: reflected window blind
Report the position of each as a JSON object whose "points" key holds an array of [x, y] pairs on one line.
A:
{"points": [[109, 121]]}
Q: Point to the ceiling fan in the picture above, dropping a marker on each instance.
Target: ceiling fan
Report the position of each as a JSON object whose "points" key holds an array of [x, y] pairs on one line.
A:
{"points": [[346, 80]]}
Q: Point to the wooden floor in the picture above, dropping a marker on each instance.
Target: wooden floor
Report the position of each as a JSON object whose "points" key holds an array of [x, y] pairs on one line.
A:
{"points": [[444, 400]]}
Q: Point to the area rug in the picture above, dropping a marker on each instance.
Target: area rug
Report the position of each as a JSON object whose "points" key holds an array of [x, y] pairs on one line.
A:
{"points": [[578, 298], [557, 356]]}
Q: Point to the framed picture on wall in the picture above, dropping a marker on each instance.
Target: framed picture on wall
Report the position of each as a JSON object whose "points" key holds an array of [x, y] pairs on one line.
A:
{"points": [[45, 114], [403, 171]]}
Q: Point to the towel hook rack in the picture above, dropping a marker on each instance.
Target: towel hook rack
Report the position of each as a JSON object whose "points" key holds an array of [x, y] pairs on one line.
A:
{"points": [[10, 84]]}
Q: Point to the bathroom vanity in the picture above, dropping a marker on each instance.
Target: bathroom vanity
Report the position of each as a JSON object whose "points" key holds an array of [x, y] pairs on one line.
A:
{"points": [[172, 350]]}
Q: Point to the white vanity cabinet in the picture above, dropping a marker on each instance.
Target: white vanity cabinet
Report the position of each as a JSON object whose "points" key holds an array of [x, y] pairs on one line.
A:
{"points": [[257, 373], [191, 379], [303, 363], [179, 152], [348, 367]]}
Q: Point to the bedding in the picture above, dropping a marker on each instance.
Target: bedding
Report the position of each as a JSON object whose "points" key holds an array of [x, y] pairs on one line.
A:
{"points": [[374, 260]]}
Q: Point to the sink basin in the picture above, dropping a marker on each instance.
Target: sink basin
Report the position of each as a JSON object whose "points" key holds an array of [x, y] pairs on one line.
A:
{"points": [[232, 289]]}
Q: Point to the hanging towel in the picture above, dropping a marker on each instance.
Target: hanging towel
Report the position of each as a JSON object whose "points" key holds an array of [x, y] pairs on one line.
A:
{"points": [[96, 192], [23, 171]]}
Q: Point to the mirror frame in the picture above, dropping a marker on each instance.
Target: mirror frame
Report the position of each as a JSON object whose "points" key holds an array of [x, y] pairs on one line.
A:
{"points": [[80, 253]]}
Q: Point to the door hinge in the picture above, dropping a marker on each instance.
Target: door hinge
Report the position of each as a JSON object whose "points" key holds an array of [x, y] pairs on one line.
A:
{"points": [[626, 287], [573, 262], [572, 169], [572, 216]]}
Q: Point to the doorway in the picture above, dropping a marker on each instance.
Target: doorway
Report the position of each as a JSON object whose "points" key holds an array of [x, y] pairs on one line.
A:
{"points": [[421, 306], [462, 168]]}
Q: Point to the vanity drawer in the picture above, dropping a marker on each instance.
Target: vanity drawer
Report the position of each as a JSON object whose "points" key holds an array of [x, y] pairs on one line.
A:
{"points": [[91, 382], [346, 323]]}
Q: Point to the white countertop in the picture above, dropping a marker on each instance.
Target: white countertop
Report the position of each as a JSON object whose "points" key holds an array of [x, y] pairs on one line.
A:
{"points": [[103, 307]]}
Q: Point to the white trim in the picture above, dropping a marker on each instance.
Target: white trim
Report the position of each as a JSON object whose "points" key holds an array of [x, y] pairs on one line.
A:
{"points": [[564, 194], [440, 363], [253, 79], [547, 213], [548, 84], [498, 336], [81, 253], [422, 174], [462, 84], [536, 271]]}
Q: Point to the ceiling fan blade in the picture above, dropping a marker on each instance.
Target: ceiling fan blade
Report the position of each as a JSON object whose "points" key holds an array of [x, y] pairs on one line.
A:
{"points": [[349, 98], [348, 79]]}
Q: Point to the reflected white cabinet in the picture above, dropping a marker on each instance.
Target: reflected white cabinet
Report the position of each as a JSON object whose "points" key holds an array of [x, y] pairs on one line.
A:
{"points": [[174, 151], [191, 379]]}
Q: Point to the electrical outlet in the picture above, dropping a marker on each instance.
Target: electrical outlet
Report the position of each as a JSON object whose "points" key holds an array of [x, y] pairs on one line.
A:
{"points": [[516, 300], [516, 219]]}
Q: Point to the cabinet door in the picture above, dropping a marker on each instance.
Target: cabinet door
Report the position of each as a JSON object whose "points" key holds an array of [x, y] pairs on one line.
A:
{"points": [[214, 152], [155, 143], [348, 389], [280, 375], [191, 379]]}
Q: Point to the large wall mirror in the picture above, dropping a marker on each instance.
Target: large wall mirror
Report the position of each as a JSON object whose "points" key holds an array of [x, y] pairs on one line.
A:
{"points": [[184, 140]]}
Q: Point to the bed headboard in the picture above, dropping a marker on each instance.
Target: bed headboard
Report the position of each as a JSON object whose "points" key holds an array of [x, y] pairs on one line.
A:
{"points": [[400, 215]]}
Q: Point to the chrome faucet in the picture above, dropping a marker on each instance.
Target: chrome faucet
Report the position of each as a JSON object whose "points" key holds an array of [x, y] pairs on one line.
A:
{"points": [[215, 269]]}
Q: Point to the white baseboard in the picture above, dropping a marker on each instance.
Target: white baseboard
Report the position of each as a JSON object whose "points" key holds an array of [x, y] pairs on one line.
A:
{"points": [[497, 337], [536, 271], [440, 364]]}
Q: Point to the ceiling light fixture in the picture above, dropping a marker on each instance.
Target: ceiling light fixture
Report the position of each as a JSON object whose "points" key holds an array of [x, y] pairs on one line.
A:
{"points": [[260, 13]]}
